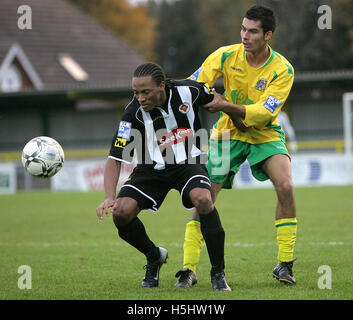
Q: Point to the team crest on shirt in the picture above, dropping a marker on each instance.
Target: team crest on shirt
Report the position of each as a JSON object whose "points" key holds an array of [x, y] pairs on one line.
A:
{"points": [[261, 84], [184, 108]]}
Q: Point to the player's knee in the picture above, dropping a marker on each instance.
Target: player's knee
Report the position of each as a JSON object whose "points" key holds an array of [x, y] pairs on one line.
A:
{"points": [[285, 188], [203, 202], [122, 214]]}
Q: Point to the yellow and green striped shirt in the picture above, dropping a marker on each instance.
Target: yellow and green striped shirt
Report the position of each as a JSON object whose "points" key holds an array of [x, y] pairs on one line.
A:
{"points": [[262, 91]]}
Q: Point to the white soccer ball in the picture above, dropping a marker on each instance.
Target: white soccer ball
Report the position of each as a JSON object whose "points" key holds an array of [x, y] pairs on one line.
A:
{"points": [[43, 157]]}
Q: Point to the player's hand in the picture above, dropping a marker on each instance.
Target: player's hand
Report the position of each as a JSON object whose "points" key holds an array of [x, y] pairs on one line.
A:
{"points": [[239, 124], [216, 103], [104, 208]]}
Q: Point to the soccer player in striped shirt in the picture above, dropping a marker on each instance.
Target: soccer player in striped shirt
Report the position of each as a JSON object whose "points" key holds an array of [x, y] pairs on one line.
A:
{"points": [[257, 82], [161, 123]]}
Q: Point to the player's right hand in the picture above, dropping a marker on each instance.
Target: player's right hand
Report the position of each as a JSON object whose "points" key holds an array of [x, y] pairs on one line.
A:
{"points": [[104, 207], [239, 124]]}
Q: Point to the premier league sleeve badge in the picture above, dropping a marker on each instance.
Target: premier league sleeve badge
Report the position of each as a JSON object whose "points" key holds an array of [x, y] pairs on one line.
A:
{"points": [[124, 130]]}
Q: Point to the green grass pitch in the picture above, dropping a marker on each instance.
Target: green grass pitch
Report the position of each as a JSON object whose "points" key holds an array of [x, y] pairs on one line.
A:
{"points": [[73, 255]]}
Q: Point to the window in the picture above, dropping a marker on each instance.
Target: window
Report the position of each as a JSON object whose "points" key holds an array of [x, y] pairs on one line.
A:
{"points": [[72, 67]]}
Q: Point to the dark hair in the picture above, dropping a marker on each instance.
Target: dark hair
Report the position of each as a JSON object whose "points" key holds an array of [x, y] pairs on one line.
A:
{"points": [[150, 69], [265, 15]]}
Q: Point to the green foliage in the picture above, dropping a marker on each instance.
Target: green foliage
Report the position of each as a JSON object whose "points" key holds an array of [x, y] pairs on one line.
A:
{"points": [[181, 34], [132, 23], [307, 46], [189, 30]]}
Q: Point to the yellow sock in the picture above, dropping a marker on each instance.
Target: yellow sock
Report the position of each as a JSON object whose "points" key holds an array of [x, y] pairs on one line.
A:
{"points": [[192, 244], [286, 236]]}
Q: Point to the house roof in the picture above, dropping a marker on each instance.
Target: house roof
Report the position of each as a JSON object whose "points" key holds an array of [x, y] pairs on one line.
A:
{"points": [[16, 52], [58, 28]]}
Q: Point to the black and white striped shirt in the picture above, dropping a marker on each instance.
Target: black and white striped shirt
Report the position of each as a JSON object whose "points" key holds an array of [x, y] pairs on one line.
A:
{"points": [[167, 135]]}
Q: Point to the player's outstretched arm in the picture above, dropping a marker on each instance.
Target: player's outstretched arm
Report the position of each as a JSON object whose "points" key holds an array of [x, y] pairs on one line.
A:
{"points": [[111, 178], [236, 112]]}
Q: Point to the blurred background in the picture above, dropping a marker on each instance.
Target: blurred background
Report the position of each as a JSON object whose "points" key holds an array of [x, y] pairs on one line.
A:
{"points": [[66, 68]]}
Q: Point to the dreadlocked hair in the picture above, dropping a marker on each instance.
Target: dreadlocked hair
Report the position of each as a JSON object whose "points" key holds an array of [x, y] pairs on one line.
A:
{"points": [[150, 69]]}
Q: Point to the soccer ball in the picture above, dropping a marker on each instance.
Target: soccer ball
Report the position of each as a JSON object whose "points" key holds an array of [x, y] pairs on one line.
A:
{"points": [[42, 157]]}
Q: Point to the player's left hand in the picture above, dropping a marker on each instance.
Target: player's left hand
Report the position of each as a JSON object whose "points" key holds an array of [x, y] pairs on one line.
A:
{"points": [[104, 207], [217, 103]]}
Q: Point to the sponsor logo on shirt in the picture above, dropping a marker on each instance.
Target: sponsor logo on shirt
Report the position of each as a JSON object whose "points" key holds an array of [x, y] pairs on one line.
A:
{"points": [[175, 136], [236, 69], [124, 129], [157, 118], [207, 88], [120, 143], [272, 104], [204, 181]]}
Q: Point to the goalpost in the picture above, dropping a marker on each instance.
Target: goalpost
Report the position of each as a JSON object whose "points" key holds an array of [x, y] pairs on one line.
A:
{"points": [[347, 130]]}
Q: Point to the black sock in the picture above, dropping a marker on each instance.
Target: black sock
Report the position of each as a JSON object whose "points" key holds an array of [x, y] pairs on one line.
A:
{"points": [[213, 233], [135, 234]]}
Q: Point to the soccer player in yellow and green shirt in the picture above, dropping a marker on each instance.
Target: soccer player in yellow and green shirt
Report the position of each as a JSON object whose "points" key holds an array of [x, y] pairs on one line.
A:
{"points": [[257, 82]]}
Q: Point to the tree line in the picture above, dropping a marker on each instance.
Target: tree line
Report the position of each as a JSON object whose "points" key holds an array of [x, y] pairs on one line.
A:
{"points": [[180, 34]]}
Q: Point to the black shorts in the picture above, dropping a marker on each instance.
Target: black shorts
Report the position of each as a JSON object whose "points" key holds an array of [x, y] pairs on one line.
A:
{"points": [[149, 187]]}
